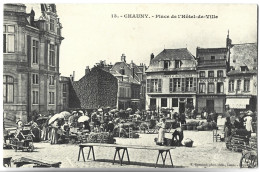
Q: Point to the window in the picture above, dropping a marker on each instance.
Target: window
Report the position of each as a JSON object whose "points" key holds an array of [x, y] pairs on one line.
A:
{"points": [[64, 90], [152, 104], [154, 85], [212, 57], [51, 80], [8, 39], [189, 84], [238, 85], [231, 85], [51, 97], [211, 74], [220, 73], [8, 89], [52, 55], [220, 87], [177, 63], [35, 54], [51, 25], [234, 60], [122, 71], [35, 97], [202, 74], [202, 88], [163, 102], [35, 78], [166, 64], [243, 68], [211, 88], [176, 84], [174, 102], [247, 85]]}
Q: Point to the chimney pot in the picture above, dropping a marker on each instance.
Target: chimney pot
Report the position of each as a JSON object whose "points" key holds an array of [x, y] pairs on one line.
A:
{"points": [[152, 56]]}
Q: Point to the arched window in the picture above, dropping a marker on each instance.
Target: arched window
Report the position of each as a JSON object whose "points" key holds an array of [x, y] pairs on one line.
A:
{"points": [[8, 89]]}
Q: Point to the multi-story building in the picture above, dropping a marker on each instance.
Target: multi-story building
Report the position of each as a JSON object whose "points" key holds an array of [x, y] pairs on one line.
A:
{"points": [[212, 68], [131, 79], [64, 92], [171, 80], [242, 77], [30, 61]]}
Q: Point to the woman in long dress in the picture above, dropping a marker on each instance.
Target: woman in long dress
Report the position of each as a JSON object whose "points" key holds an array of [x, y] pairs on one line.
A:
{"points": [[54, 134], [161, 133]]}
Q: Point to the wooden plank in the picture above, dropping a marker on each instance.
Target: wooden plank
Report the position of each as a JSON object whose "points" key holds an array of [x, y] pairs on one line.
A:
{"points": [[128, 146]]}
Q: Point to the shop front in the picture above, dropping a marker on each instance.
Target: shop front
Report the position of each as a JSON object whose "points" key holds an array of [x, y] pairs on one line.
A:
{"points": [[174, 103], [211, 103]]}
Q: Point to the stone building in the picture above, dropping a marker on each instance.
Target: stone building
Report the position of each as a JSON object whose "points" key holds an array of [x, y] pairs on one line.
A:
{"points": [[171, 80], [30, 61], [97, 88], [241, 92], [131, 84]]}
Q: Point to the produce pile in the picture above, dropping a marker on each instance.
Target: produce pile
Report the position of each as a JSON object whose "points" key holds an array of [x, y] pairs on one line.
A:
{"points": [[206, 126], [102, 137], [238, 140]]}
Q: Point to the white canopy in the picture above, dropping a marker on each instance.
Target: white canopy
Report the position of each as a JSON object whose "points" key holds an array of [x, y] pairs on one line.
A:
{"points": [[237, 103]]}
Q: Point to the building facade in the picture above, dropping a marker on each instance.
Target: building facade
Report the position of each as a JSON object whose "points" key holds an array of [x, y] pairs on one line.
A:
{"points": [[212, 70], [171, 81], [30, 61], [242, 78], [97, 88], [131, 79]]}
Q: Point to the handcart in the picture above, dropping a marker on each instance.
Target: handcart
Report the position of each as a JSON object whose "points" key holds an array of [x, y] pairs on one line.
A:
{"points": [[23, 139]]}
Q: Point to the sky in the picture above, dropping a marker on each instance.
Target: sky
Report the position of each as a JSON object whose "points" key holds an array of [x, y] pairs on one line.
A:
{"points": [[91, 34]]}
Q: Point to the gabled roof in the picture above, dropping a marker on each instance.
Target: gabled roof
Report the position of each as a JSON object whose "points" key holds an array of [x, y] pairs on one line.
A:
{"points": [[182, 54], [174, 54], [132, 79]]}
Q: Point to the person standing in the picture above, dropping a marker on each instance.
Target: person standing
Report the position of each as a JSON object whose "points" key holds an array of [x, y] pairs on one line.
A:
{"points": [[161, 133], [248, 119], [183, 118], [54, 132]]}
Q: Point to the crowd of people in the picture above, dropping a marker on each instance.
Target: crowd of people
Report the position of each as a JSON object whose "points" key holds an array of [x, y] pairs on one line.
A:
{"points": [[242, 121]]}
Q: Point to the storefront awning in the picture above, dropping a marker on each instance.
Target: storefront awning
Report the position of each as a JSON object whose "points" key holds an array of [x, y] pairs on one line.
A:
{"points": [[237, 103]]}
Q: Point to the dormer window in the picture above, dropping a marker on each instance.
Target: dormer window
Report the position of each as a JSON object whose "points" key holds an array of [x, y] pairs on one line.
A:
{"points": [[243, 68], [212, 58], [122, 71], [166, 64], [177, 64]]}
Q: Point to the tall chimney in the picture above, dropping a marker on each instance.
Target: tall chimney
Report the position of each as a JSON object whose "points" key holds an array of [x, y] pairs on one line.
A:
{"points": [[123, 58], [87, 70], [73, 75], [71, 78], [152, 56]]}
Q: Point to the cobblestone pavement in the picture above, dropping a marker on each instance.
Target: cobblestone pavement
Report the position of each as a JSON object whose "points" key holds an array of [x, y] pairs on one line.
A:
{"points": [[204, 154]]}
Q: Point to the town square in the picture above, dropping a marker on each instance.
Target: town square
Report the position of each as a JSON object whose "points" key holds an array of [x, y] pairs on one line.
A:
{"points": [[130, 86]]}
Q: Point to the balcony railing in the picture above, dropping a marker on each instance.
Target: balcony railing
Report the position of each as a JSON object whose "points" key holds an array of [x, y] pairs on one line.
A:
{"points": [[187, 89], [212, 62]]}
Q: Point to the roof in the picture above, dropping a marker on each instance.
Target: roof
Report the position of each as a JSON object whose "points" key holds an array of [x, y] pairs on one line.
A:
{"points": [[183, 54], [115, 72], [211, 50], [174, 54], [243, 55]]}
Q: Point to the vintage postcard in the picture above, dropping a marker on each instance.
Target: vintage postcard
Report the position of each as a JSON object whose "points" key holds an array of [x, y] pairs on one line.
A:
{"points": [[130, 85]]}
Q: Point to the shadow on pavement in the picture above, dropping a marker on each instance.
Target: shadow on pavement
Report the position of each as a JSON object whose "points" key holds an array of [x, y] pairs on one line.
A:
{"points": [[140, 163]]}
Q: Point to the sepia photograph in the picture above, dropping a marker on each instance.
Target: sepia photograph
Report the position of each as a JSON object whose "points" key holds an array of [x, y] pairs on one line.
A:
{"points": [[130, 85]]}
